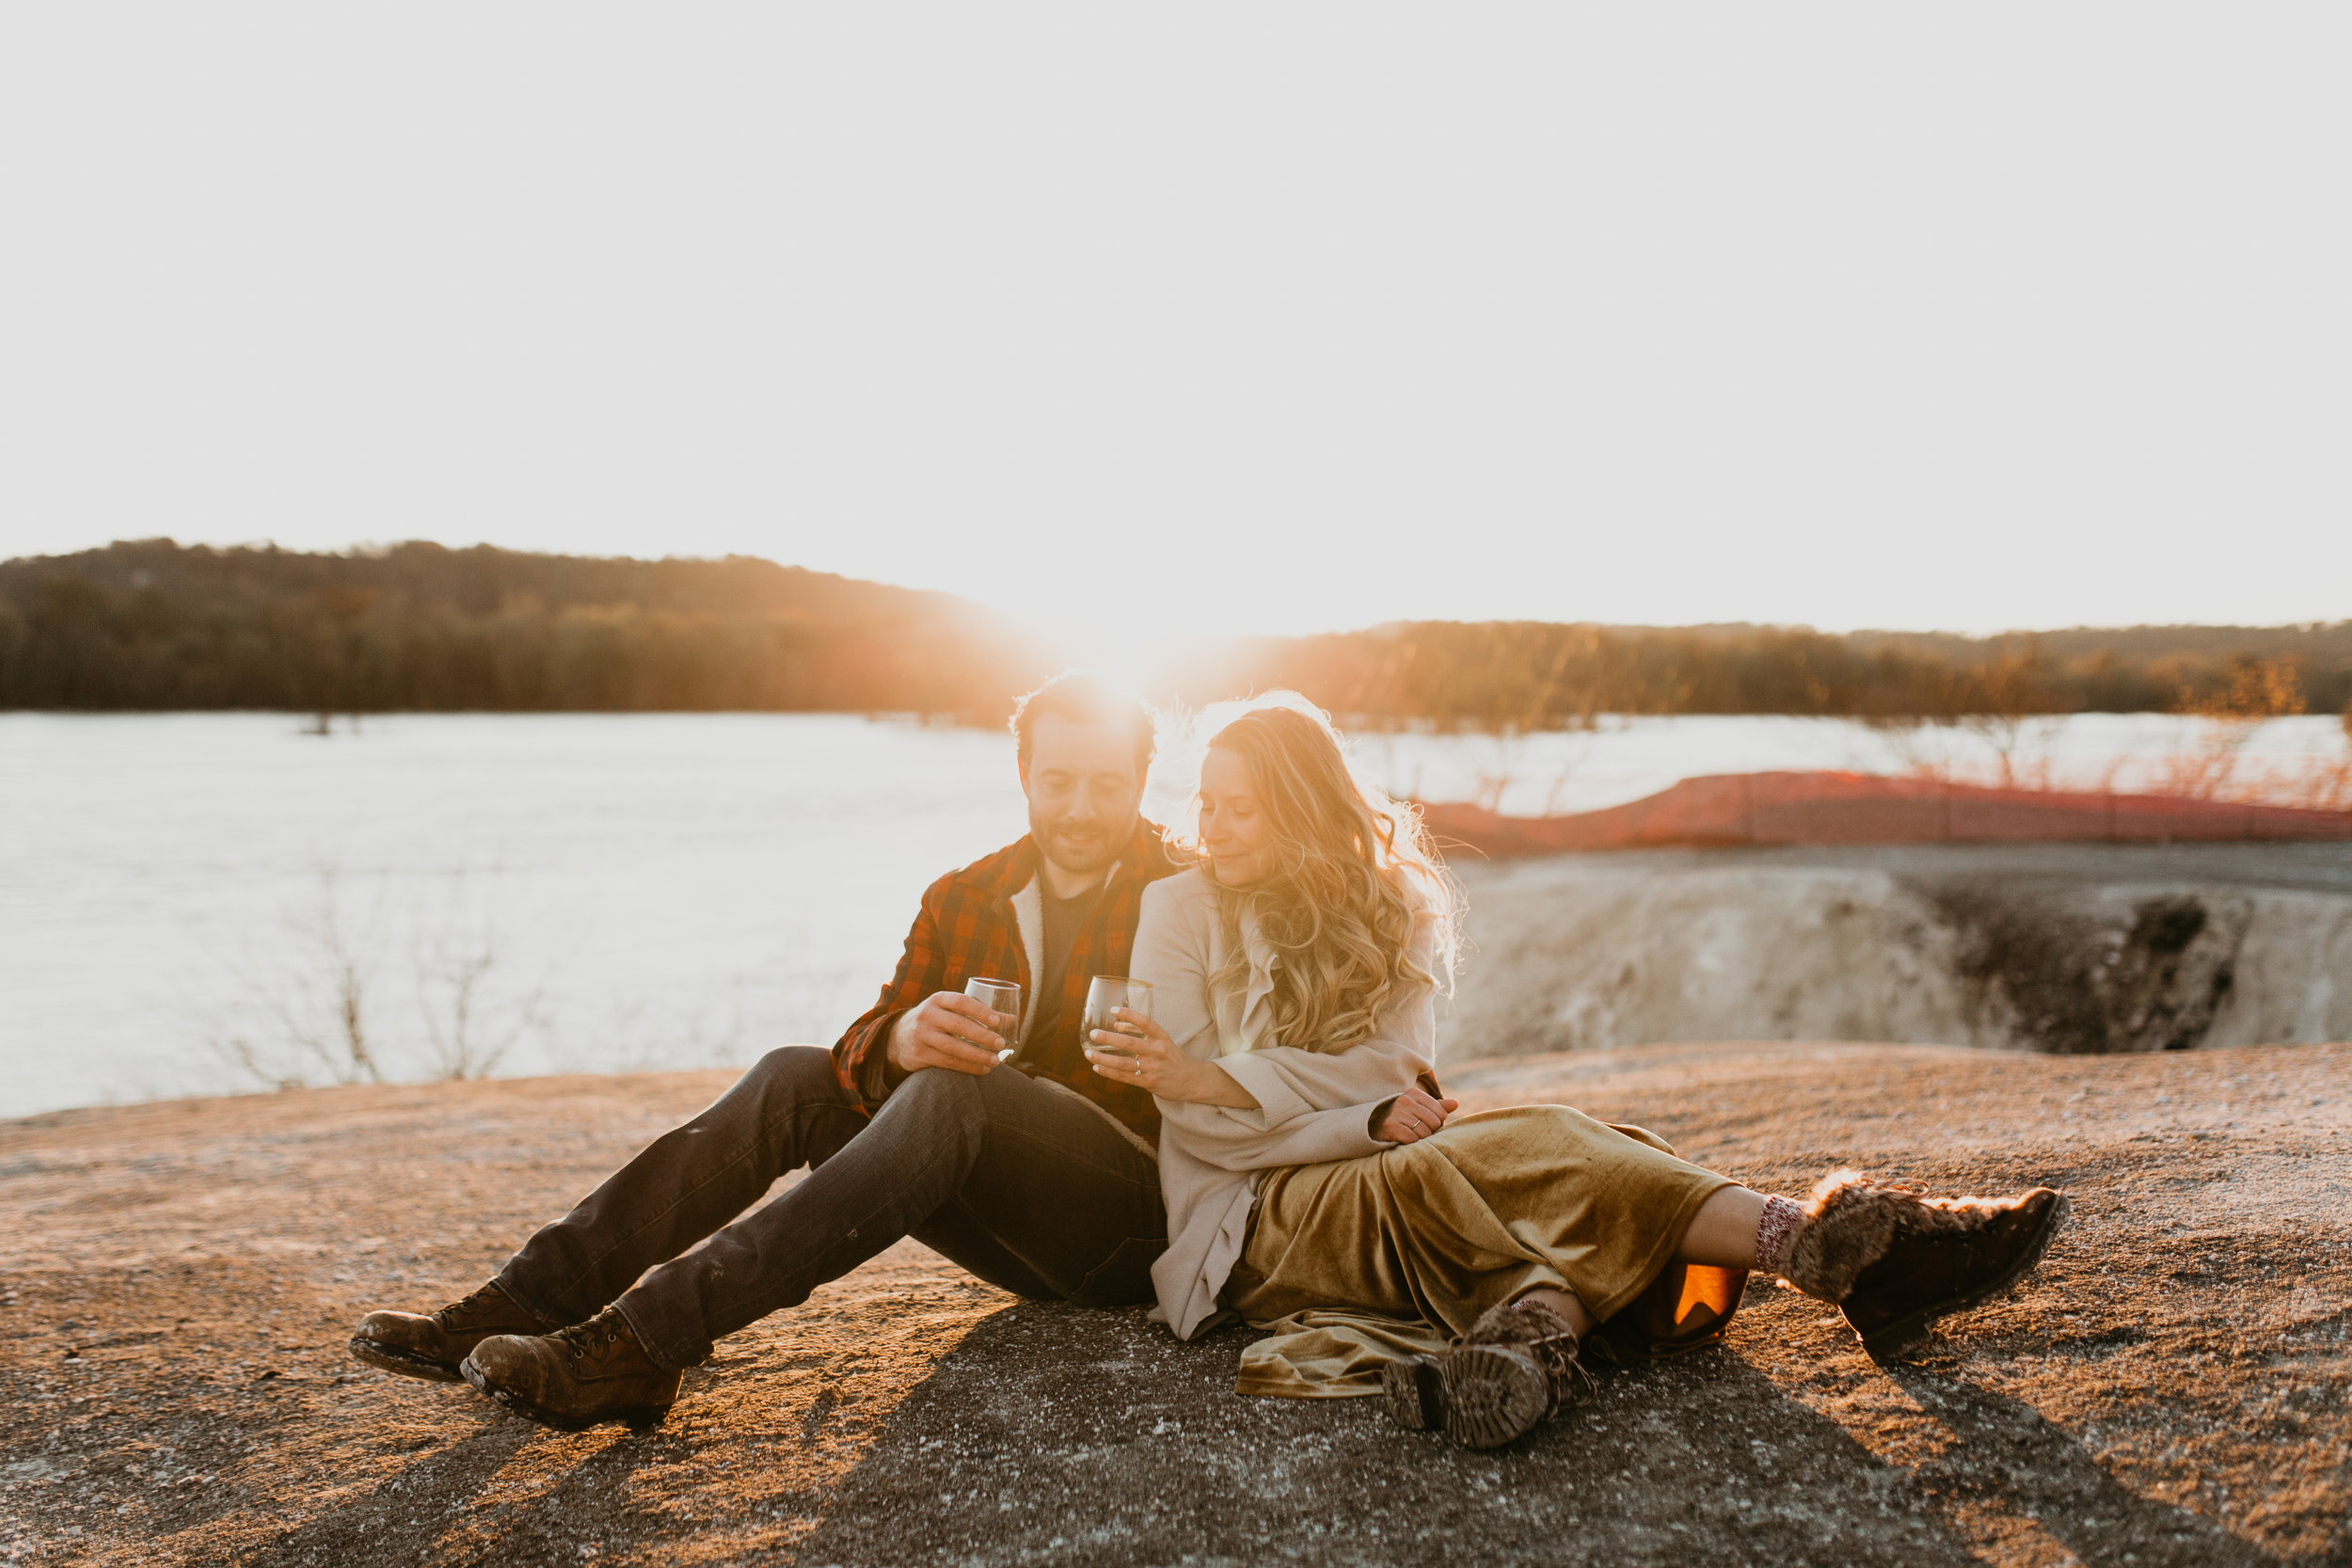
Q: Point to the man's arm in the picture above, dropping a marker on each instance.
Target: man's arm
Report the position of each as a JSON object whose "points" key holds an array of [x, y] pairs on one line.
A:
{"points": [[918, 1022], [860, 1055]]}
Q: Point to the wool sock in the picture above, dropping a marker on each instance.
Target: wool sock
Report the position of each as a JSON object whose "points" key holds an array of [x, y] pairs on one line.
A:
{"points": [[1774, 1230]]}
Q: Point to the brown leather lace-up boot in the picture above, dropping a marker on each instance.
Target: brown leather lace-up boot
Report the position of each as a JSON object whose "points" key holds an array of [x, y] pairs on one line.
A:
{"points": [[1895, 1260], [1516, 1366], [576, 1377], [432, 1345]]}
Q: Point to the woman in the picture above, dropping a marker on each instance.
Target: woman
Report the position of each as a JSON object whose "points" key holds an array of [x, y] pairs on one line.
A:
{"points": [[1315, 1184]]}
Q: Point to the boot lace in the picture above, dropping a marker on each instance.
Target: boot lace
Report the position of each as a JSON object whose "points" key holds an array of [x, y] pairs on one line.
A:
{"points": [[482, 1299], [594, 1337], [1571, 1384]]}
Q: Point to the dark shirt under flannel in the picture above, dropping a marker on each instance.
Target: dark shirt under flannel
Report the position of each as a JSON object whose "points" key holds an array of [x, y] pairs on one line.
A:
{"points": [[967, 928]]}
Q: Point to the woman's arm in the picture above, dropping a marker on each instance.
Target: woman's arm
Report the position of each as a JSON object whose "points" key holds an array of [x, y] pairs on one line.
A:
{"points": [[1287, 1081], [1150, 1060], [1215, 1137], [1251, 1093], [1173, 1057]]}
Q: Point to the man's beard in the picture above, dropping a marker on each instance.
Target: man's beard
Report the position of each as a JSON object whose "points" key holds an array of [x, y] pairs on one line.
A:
{"points": [[1094, 851]]}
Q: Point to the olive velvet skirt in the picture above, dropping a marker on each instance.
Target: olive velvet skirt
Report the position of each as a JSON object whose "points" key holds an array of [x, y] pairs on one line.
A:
{"points": [[1355, 1262]]}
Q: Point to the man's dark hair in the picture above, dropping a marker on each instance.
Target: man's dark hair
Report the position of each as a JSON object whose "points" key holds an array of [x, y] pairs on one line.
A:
{"points": [[1084, 697]]}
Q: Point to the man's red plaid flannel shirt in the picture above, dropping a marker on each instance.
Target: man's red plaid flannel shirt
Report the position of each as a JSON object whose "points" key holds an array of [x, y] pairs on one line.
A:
{"points": [[967, 928]]}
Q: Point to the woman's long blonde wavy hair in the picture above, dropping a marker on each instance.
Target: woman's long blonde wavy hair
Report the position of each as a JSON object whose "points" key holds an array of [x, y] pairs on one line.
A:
{"points": [[1352, 877]]}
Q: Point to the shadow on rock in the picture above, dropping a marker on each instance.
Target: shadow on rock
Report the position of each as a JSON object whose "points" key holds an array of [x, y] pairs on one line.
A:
{"points": [[435, 1509], [2010, 1453], [1056, 1433]]}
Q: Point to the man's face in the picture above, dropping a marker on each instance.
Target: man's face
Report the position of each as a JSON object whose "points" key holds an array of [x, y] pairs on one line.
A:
{"points": [[1084, 789]]}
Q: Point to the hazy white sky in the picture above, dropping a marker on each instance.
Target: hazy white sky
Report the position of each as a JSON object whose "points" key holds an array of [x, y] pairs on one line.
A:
{"points": [[1235, 317]]}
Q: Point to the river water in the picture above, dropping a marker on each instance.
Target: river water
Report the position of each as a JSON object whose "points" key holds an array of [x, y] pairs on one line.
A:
{"points": [[188, 901]]}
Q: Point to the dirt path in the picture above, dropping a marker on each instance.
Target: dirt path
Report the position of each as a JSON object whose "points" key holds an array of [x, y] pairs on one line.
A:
{"points": [[2172, 1388]]}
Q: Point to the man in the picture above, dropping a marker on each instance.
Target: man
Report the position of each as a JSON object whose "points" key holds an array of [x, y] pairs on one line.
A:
{"points": [[1038, 1175]]}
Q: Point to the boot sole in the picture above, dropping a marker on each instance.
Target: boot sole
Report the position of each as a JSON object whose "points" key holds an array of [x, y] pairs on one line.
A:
{"points": [[1492, 1395], [1908, 1333], [636, 1417], [1415, 1393], [389, 1358]]}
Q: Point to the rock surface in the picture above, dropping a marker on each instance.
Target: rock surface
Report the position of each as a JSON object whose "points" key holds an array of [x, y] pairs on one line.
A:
{"points": [[2170, 1388], [2075, 948]]}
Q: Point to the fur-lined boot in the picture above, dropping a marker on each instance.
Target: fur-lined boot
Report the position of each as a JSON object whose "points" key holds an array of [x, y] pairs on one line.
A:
{"points": [[1895, 1260], [1516, 1366]]}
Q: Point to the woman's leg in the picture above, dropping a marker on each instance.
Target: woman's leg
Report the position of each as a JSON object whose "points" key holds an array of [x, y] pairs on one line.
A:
{"points": [[1517, 1365], [1571, 1310], [1735, 1229], [1893, 1258], [1723, 1233], [1895, 1261]]}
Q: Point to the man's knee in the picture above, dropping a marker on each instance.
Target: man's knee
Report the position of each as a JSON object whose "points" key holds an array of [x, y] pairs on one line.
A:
{"points": [[794, 1072], [933, 1093]]}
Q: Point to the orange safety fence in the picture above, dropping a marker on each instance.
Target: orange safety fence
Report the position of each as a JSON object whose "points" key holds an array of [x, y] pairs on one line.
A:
{"points": [[1869, 808]]}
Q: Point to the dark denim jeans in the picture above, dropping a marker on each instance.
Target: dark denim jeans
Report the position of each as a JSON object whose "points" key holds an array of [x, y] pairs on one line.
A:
{"points": [[1022, 1182]]}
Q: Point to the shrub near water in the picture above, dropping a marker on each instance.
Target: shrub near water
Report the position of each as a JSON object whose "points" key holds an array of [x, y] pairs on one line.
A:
{"points": [[2214, 767]]}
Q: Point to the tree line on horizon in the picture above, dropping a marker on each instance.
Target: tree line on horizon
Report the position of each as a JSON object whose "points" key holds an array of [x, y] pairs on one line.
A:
{"points": [[419, 628]]}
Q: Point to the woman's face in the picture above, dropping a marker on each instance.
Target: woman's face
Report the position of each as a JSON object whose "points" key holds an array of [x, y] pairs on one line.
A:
{"points": [[1233, 827]]}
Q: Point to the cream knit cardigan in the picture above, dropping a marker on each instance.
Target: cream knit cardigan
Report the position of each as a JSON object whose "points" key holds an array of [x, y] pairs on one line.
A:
{"points": [[1311, 1106]]}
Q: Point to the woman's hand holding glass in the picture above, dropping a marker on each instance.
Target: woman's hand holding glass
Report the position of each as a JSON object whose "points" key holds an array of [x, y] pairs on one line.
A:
{"points": [[1412, 1117], [1140, 1052]]}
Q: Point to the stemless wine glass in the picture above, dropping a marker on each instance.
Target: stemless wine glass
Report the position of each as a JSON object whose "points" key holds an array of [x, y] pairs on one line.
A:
{"points": [[1002, 996], [1106, 994]]}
